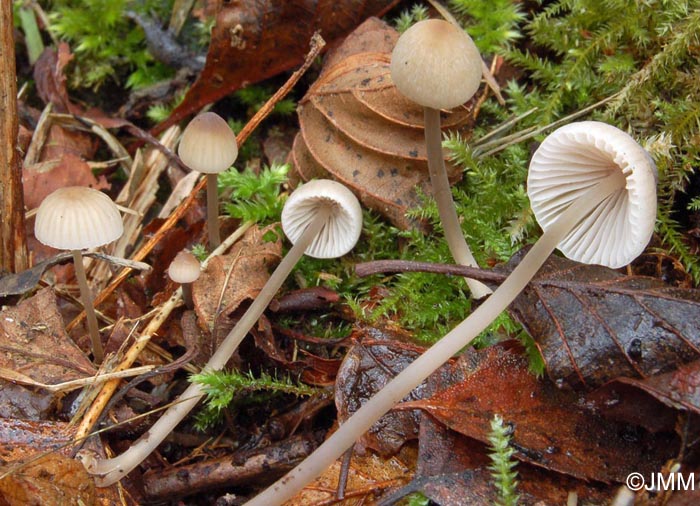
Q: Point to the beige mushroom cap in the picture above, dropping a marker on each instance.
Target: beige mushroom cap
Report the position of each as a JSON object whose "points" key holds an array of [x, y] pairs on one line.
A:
{"points": [[572, 159], [185, 268], [208, 145], [436, 64], [76, 218], [342, 229]]}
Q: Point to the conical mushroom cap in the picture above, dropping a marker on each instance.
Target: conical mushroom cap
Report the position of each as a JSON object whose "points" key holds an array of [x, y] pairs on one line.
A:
{"points": [[76, 218], [436, 64], [342, 229], [185, 268], [572, 159], [208, 145]]}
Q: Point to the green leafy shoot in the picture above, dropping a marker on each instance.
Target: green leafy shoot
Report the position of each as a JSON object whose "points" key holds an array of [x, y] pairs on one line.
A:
{"points": [[505, 477], [160, 112], [200, 252], [225, 390], [409, 17], [254, 197], [492, 24]]}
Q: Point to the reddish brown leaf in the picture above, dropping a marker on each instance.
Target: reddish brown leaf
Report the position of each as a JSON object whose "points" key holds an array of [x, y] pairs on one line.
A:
{"points": [[54, 480], [356, 128], [593, 324], [256, 39], [550, 428]]}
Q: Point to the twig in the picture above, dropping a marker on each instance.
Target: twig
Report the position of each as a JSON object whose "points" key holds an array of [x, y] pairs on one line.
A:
{"points": [[396, 266]]}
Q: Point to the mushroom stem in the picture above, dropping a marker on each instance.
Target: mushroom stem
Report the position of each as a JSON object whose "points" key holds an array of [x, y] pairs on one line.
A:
{"points": [[86, 297], [109, 471], [187, 295], [440, 352], [443, 197], [213, 211]]}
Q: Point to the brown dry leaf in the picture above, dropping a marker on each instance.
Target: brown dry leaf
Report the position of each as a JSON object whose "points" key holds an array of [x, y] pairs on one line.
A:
{"points": [[53, 480], [593, 324], [233, 278], [33, 342], [253, 40], [356, 128], [368, 477]]}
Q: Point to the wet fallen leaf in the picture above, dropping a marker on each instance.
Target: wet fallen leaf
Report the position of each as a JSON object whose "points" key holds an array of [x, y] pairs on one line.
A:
{"points": [[367, 367], [255, 40], [550, 428], [357, 129], [593, 324], [53, 480]]}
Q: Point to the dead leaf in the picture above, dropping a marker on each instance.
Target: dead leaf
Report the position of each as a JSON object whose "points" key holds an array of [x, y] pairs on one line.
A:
{"points": [[551, 429], [254, 40], [368, 477], [367, 367], [231, 279], [593, 324], [34, 342], [358, 129], [54, 480]]}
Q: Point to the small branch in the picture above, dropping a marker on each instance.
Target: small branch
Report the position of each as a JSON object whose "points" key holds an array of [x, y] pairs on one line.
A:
{"points": [[395, 266]]}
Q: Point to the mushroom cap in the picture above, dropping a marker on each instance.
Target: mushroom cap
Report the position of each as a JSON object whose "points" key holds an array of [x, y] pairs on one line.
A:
{"points": [[76, 218], [572, 159], [342, 229], [208, 145], [436, 64], [184, 268]]}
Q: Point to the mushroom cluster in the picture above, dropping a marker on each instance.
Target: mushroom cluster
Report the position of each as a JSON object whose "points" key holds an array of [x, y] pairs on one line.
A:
{"points": [[322, 219], [593, 190]]}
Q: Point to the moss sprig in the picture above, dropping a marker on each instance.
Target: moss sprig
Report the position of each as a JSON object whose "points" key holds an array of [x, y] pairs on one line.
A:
{"points": [[505, 477]]}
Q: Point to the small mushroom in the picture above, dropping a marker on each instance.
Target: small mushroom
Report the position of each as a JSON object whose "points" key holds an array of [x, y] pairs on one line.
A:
{"points": [[209, 146], [185, 269], [322, 219], [586, 179], [437, 65], [77, 218]]}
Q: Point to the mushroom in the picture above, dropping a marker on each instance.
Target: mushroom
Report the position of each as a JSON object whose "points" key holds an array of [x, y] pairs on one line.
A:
{"points": [[209, 146], [593, 190], [322, 219], [185, 269], [437, 65], [77, 218]]}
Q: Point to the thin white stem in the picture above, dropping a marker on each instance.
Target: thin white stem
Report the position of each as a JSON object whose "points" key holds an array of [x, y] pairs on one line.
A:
{"points": [[109, 471], [86, 298], [438, 354], [213, 211], [443, 197]]}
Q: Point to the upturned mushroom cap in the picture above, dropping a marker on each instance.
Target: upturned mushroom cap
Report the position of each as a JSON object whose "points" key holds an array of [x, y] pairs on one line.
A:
{"points": [[184, 268], [436, 64], [572, 159], [76, 218], [343, 226], [208, 145]]}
